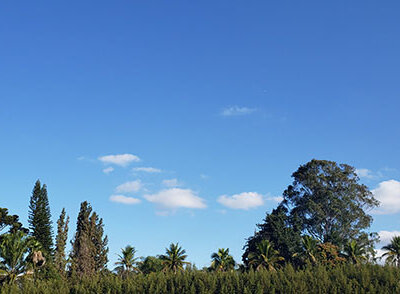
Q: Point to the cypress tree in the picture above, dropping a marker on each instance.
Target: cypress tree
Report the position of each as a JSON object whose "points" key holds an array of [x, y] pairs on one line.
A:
{"points": [[61, 240], [89, 247], [40, 218]]}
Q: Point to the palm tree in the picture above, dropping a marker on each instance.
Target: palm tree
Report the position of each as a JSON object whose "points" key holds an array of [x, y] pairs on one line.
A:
{"points": [[127, 261], [265, 256], [393, 251], [174, 259], [222, 260], [309, 253], [354, 252], [14, 248]]}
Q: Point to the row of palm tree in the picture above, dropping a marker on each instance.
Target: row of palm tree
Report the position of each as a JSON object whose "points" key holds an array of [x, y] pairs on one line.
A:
{"points": [[264, 257]]}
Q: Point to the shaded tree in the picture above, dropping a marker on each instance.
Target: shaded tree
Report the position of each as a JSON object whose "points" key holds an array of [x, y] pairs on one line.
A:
{"points": [[40, 218], [265, 256], [392, 253], [60, 260], [279, 229], [222, 260], [309, 252], [355, 252], [150, 264], [174, 259]]}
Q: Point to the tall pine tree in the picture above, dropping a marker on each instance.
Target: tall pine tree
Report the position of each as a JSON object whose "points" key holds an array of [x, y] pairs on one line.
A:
{"points": [[40, 218], [61, 241], [89, 247]]}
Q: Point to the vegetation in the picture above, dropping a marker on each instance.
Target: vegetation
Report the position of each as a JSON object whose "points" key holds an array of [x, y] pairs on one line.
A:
{"points": [[40, 218], [315, 240], [222, 260]]}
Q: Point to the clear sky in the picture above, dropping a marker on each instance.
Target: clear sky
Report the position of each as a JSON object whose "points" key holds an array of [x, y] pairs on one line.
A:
{"points": [[182, 121]]}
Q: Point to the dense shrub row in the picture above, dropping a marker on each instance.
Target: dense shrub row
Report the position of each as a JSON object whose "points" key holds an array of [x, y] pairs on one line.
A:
{"points": [[341, 279]]}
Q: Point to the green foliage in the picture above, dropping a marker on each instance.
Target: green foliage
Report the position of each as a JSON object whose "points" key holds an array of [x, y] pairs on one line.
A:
{"points": [[265, 257], [355, 252], [14, 250], [347, 278], [392, 253], [40, 218], [222, 260], [60, 260], [328, 202], [11, 221], [127, 261], [278, 229], [150, 264], [89, 247], [174, 259]]}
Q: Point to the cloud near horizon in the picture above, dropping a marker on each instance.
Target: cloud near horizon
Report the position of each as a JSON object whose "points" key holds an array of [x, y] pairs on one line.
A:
{"points": [[124, 199], [237, 110], [388, 193], [245, 200], [176, 198], [119, 159], [129, 187]]}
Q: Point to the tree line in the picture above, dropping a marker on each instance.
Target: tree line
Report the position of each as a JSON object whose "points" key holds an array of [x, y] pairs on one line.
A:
{"points": [[322, 221]]}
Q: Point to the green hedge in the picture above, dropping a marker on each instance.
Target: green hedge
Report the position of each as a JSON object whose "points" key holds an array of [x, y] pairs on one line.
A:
{"points": [[341, 279]]}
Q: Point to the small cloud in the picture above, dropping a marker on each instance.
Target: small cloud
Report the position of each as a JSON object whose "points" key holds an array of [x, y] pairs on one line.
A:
{"points": [[388, 193], [124, 199], [364, 173], [237, 111], [129, 187], [176, 198], [171, 183], [204, 177], [108, 170], [81, 158], [245, 200], [275, 198], [386, 236], [119, 159], [147, 169]]}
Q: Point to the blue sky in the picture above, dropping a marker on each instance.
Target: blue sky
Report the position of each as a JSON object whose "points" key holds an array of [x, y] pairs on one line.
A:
{"points": [[222, 99]]}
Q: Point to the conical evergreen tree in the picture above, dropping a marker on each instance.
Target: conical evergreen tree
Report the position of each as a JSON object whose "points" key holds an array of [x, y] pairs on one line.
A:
{"points": [[40, 218], [89, 247], [61, 241]]}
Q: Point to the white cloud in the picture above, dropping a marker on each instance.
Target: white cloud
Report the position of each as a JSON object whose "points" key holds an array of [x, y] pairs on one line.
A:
{"points": [[275, 198], [129, 187], [119, 159], [171, 183], [123, 199], [364, 173], [386, 236], [388, 193], [245, 200], [147, 169], [237, 110], [175, 198], [108, 170]]}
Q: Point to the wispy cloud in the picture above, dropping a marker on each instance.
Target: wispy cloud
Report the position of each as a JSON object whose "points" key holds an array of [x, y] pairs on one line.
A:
{"points": [[147, 169], [364, 173], [388, 193], [124, 199], [119, 159], [129, 187], [171, 183], [237, 111], [245, 200], [108, 170], [176, 198]]}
